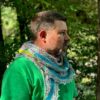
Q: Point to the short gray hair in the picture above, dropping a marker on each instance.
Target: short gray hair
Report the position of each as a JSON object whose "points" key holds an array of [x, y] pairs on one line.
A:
{"points": [[44, 19]]}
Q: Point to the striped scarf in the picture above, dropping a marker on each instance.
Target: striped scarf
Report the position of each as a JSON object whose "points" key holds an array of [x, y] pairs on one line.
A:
{"points": [[55, 72]]}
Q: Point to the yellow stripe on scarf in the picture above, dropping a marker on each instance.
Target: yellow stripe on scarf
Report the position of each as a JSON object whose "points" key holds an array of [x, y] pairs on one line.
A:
{"points": [[21, 51]]}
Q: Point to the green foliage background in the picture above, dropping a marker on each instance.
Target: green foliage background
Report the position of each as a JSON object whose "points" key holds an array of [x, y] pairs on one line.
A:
{"points": [[82, 23]]}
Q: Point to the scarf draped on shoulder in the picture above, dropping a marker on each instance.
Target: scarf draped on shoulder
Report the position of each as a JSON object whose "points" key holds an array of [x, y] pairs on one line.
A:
{"points": [[61, 72], [55, 70]]}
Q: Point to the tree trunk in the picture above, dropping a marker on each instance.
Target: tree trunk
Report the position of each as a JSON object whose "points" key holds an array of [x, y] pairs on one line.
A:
{"points": [[98, 68], [21, 18], [22, 25], [2, 52]]}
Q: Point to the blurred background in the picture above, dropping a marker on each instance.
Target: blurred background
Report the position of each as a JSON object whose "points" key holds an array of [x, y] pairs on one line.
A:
{"points": [[82, 21]]}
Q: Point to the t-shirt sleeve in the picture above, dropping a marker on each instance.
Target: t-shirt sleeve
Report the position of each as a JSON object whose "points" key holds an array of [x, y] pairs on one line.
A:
{"points": [[14, 84]]}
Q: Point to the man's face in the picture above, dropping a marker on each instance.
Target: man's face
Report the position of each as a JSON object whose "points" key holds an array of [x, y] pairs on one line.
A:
{"points": [[57, 37]]}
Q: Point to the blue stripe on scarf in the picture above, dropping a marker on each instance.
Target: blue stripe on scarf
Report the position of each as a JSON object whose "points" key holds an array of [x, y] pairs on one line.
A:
{"points": [[67, 76], [51, 90], [48, 61]]}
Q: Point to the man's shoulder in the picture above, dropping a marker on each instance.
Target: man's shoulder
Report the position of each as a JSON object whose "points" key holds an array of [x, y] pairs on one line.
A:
{"points": [[20, 61], [20, 64]]}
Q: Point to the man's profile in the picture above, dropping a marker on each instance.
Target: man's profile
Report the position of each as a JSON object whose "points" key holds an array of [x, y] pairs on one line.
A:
{"points": [[40, 70]]}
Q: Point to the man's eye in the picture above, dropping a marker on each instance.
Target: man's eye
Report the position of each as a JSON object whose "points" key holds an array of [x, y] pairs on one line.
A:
{"points": [[63, 33]]}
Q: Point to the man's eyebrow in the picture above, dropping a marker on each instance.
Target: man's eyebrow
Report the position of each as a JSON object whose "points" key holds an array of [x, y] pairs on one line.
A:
{"points": [[64, 30]]}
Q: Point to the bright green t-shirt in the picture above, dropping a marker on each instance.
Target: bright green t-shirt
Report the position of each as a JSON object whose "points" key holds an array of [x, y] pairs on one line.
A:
{"points": [[23, 80]]}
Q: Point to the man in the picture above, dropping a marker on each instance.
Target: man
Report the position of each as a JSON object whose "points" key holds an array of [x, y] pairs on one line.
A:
{"points": [[41, 71]]}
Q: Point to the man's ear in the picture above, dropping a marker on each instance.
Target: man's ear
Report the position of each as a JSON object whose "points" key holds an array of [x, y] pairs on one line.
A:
{"points": [[42, 34]]}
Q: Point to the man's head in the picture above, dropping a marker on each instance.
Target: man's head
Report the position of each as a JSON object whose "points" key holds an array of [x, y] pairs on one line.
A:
{"points": [[49, 31]]}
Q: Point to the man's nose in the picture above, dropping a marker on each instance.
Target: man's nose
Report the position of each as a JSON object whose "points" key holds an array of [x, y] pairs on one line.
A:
{"points": [[66, 37]]}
